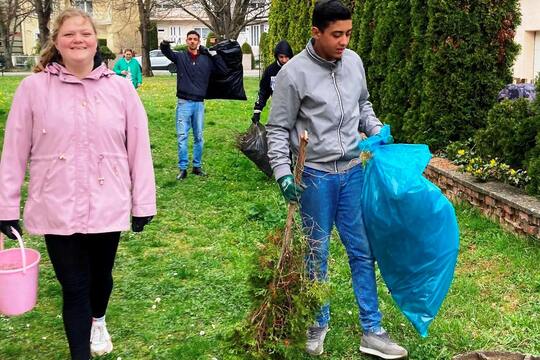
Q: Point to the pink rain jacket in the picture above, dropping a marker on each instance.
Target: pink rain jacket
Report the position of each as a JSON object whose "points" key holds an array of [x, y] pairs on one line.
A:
{"points": [[88, 147]]}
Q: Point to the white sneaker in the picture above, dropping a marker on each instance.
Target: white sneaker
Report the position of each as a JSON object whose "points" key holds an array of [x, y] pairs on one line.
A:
{"points": [[100, 340], [380, 344]]}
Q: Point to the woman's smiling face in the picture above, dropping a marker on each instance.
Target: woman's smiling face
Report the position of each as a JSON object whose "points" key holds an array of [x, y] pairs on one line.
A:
{"points": [[76, 41]]}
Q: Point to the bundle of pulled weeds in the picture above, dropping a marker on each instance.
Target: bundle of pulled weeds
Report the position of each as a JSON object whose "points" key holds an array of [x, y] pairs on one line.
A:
{"points": [[284, 299], [284, 302]]}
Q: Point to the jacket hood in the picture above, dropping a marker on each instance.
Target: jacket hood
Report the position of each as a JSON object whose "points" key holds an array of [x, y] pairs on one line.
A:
{"points": [[284, 48], [98, 72]]}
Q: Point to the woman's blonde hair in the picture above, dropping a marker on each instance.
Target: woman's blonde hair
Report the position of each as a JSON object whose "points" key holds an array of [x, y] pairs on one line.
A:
{"points": [[49, 52]]}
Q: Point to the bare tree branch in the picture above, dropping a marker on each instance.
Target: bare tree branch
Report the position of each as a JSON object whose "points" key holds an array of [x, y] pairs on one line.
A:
{"points": [[225, 17], [12, 14]]}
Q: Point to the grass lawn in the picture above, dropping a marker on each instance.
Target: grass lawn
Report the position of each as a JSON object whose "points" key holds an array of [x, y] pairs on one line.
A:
{"points": [[197, 254]]}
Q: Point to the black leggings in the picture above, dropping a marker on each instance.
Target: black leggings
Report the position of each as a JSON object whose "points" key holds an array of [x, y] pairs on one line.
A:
{"points": [[83, 265]]}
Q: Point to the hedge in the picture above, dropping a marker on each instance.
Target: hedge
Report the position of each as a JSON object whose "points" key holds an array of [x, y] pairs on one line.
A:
{"points": [[434, 67]]}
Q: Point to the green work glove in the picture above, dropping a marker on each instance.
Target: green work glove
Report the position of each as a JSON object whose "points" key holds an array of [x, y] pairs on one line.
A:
{"points": [[290, 190]]}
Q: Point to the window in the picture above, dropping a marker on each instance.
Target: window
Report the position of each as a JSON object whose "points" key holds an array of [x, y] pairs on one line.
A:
{"points": [[257, 3], [203, 31], [175, 34], [255, 35], [85, 5]]}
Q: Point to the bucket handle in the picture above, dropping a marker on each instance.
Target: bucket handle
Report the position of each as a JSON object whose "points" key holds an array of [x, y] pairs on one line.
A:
{"points": [[21, 246]]}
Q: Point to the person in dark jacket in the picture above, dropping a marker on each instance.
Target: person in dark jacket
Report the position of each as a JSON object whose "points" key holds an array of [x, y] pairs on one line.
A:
{"points": [[193, 69], [283, 53]]}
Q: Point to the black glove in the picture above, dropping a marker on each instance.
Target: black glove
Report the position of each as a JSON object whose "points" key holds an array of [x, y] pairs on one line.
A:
{"points": [[256, 117], [166, 42], [203, 50], [138, 223], [5, 227]]}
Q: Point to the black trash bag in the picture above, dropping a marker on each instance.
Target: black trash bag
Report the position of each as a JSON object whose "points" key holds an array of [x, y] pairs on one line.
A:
{"points": [[231, 85], [253, 144]]}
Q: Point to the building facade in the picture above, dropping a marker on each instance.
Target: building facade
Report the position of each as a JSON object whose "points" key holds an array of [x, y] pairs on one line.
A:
{"points": [[527, 65], [117, 24], [173, 24]]}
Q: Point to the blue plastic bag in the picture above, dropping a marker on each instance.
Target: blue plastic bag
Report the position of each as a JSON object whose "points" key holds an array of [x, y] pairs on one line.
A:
{"points": [[411, 226]]}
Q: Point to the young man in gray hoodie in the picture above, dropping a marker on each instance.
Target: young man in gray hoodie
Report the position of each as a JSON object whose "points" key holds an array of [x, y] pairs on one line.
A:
{"points": [[323, 90]]}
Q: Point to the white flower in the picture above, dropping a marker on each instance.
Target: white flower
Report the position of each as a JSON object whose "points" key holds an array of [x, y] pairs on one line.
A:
{"points": [[44, 338], [202, 333], [154, 307], [158, 300], [349, 312]]}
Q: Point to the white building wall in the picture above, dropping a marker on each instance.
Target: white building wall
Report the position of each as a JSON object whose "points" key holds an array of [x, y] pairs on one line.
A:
{"points": [[536, 65], [527, 63]]}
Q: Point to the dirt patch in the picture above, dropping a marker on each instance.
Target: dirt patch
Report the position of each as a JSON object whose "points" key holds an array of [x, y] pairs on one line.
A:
{"points": [[492, 355]]}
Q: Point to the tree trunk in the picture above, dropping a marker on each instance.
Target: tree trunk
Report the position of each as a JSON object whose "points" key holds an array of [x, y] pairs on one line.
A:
{"points": [[144, 18], [43, 11], [7, 48]]}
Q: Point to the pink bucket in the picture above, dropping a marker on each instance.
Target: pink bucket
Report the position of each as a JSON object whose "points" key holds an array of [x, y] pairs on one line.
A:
{"points": [[19, 268]]}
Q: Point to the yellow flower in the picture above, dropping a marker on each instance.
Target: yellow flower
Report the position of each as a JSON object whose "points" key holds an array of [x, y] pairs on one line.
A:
{"points": [[493, 162], [513, 172], [461, 152]]}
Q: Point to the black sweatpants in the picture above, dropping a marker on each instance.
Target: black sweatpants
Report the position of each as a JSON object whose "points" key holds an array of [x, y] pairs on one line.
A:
{"points": [[83, 265]]}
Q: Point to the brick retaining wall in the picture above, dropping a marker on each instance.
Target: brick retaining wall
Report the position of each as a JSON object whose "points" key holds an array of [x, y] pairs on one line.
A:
{"points": [[504, 203]]}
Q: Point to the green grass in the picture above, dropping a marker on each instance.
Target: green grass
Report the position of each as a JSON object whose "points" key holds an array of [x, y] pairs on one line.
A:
{"points": [[197, 254]]}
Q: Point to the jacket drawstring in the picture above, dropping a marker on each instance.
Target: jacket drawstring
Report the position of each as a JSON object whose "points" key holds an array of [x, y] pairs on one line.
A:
{"points": [[101, 179]]}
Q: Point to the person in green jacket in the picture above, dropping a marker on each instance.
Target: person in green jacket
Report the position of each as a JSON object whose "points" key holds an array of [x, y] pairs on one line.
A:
{"points": [[129, 68]]}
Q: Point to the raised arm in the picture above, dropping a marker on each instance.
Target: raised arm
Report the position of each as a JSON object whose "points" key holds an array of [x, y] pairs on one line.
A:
{"points": [[165, 48]]}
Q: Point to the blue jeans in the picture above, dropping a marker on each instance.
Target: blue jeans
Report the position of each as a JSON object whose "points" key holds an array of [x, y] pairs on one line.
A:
{"points": [[189, 114], [335, 198]]}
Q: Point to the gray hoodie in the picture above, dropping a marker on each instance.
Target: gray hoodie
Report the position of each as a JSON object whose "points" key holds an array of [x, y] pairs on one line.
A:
{"points": [[330, 101]]}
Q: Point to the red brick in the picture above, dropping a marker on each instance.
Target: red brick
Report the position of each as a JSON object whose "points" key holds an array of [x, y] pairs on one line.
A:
{"points": [[533, 230], [523, 216], [490, 201], [514, 224]]}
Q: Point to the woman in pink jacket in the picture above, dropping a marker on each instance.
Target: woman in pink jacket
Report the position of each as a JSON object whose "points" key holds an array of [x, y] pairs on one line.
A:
{"points": [[85, 133]]}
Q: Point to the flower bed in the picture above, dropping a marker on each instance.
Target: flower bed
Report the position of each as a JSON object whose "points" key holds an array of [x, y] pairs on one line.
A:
{"points": [[504, 203]]}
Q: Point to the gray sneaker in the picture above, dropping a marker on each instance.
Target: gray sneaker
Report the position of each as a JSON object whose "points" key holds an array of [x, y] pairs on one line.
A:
{"points": [[315, 339], [380, 344]]}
